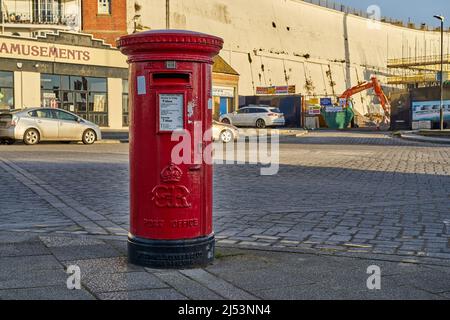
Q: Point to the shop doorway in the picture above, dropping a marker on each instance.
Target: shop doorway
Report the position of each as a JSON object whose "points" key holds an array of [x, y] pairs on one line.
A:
{"points": [[223, 106]]}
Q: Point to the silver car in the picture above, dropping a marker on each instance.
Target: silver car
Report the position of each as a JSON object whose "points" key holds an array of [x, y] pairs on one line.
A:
{"points": [[44, 124], [259, 116], [224, 132]]}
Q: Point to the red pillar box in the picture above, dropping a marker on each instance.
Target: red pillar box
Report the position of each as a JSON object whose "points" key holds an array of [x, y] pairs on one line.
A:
{"points": [[171, 198]]}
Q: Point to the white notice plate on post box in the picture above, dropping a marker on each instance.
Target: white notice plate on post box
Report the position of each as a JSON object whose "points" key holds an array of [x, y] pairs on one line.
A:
{"points": [[170, 112]]}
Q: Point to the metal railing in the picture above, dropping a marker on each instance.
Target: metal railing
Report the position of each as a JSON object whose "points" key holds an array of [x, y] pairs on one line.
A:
{"points": [[413, 78], [417, 61], [362, 13], [37, 18], [338, 7]]}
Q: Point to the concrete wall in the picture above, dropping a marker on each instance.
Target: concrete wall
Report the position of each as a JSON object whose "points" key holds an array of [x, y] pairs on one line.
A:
{"points": [[279, 42], [27, 89], [115, 103]]}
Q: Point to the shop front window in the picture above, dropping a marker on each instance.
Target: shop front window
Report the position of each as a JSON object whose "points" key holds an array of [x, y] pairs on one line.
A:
{"points": [[6, 90], [80, 103], [125, 111], [85, 96], [67, 101], [97, 102]]}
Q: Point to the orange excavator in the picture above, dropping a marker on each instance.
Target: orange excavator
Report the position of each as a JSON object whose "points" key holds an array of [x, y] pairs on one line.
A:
{"points": [[376, 86]]}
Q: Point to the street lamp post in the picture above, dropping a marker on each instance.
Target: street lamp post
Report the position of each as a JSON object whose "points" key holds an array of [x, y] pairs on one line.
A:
{"points": [[441, 110]]}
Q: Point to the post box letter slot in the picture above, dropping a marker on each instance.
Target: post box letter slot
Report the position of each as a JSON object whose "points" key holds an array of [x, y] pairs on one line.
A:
{"points": [[171, 78]]}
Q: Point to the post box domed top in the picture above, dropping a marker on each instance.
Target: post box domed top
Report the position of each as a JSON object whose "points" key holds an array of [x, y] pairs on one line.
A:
{"points": [[170, 45]]}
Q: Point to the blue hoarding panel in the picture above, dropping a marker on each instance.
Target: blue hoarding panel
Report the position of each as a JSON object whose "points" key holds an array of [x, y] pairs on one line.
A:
{"points": [[326, 102], [430, 110]]}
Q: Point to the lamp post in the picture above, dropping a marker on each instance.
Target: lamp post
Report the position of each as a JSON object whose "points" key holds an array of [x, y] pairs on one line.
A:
{"points": [[441, 110]]}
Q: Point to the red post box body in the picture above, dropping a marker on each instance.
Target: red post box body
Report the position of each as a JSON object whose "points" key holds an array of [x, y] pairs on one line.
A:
{"points": [[171, 201]]}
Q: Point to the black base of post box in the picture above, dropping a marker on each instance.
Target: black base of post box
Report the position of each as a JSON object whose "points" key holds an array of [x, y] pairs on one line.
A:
{"points": [[171, 254]]}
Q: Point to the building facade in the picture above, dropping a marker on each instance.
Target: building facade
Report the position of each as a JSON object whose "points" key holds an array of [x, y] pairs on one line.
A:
{"points": [[105, 19], [89, 78], [36, 17], [311, 50]]}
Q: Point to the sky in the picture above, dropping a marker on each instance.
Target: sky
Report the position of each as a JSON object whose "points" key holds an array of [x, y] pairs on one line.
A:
{"points": [[419, 11]]}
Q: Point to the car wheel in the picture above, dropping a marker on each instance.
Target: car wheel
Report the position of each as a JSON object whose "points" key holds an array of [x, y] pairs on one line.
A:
{"points": [[260, 124], [89, 136], [227, 121], [31, 137], [226, 136]]}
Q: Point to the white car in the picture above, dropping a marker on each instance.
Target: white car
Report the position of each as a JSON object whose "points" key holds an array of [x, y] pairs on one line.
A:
{"points": [[259, 116], [224, 132]]}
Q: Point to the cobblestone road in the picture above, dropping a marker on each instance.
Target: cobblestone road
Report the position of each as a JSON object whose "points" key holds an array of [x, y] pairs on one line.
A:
{"points": [[353, 193]]}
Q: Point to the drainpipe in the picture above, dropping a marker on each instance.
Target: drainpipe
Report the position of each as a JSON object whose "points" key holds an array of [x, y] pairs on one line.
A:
{"points": [[80, 15], [167, 14], [3, 19]]}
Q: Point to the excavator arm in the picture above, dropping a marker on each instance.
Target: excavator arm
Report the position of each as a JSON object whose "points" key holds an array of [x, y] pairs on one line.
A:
{"points": [[375, 85]]}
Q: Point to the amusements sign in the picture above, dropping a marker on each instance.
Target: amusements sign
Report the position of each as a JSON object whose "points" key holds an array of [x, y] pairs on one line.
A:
{"points": [[275, 90], [27, 49]]}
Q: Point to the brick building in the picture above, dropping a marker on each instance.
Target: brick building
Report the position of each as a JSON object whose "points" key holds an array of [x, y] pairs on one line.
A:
{"points": [[105, 19]]}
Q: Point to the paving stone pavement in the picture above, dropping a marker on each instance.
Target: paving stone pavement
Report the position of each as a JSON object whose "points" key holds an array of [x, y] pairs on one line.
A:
{"points": [[339, 203], [340, 192], [35, 269]]}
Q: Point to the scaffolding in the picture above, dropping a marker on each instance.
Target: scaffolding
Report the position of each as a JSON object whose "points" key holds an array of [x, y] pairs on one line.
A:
{"points": [[419, 70], [427, 63]]}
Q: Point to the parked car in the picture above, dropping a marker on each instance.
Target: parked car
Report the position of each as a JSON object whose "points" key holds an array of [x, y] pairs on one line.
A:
{"points": [[224, 132], [259, 116], [44, 124]]}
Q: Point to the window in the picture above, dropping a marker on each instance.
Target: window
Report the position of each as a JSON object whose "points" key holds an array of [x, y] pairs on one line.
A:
{"points": [[44, 113], [50, 82], [97, 84], [80, 102], [43, 11], [125, 111], [104, 7], [97, 102], [78, 83], [6, 90], [85, 96], [242, 111], [61, 115]]}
